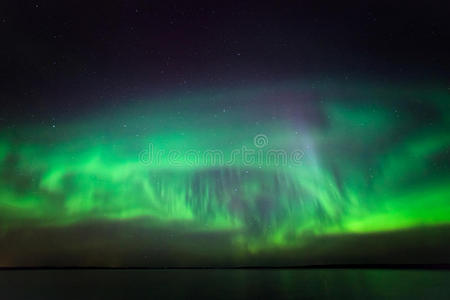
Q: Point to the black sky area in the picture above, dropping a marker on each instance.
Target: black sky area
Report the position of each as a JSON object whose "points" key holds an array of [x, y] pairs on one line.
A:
{"points": [[60, 57]]}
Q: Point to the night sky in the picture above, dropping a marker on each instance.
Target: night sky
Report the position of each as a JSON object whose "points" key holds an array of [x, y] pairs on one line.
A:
{"points": [[356, 96]]}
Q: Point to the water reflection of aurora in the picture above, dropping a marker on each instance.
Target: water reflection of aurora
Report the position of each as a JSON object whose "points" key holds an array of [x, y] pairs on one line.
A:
{"points": [[375, 160]]}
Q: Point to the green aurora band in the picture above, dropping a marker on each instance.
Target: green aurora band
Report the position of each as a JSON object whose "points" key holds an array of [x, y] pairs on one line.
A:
{"points": [[374, 159]]}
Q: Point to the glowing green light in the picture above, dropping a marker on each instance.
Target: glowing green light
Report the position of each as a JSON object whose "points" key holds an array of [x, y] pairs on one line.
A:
{"points": [[365, 169]]}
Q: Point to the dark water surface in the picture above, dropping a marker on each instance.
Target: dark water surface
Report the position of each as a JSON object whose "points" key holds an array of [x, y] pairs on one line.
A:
{"points": [[225, 284]]}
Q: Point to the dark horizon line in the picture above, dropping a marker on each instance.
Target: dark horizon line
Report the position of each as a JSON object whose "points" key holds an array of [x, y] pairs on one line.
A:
{"points": [[304, 267]]}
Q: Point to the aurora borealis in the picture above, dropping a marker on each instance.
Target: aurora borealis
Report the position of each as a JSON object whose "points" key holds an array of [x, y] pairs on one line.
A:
{"points": [[375, 159], [209, 134]]}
